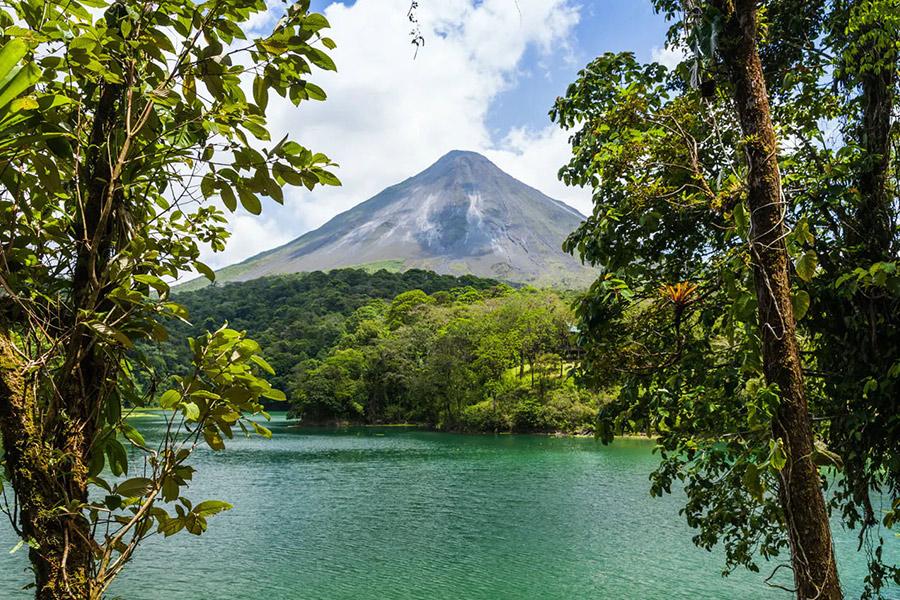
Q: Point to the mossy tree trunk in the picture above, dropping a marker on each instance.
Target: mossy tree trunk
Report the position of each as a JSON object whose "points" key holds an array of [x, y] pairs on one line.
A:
{"points": [[49, 413], [873, 230], [47, 468], [800, 490]]}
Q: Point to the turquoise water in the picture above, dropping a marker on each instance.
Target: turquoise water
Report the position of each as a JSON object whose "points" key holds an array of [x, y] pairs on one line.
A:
{"points": [[403, 514]]}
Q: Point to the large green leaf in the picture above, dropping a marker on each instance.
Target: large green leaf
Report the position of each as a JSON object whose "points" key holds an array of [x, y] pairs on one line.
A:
{"points": [[12, 52]]}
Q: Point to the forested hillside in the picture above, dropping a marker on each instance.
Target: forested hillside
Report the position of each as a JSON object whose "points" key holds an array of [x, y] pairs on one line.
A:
{"points": [[294, 317], [414, 347], [490, 360]]}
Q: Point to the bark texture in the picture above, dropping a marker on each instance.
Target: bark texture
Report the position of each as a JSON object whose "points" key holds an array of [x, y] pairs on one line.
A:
{"points": [[49, 412], [47, 477], [874, 218], [800, 491]]}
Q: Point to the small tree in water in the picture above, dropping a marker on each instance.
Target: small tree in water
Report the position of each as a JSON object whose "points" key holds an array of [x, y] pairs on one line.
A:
{"points": [[120, 126]]}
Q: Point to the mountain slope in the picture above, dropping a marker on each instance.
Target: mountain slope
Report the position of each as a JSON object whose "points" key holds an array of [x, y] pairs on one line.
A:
{"points": [[462, 215]]}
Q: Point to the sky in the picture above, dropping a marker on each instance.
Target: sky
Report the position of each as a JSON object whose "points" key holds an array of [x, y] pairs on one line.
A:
{"points": [[484, 81]]}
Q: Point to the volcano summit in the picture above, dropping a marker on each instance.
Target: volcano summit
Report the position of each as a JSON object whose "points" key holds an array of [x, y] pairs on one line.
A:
{"points": [[461, 215]]}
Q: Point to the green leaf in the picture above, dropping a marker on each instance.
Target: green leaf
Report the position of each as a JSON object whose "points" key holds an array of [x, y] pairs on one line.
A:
{"points": [[800, 301], [117, 457], [171, 526], [287, 174], [249, 201], [134, 487], [259, 360], [257, 130], [327, 178], [208, 185], [97, 461], [21, 81], [753, 482], [110, 332], [170, 489], [208, 508], [228, 198], [261, 92], [740, 219], [314, 92], [133, 435], [275, 394], [24, 103], [169, 399], [320, 59], [263, 431], [777, 457], [213, 439], [12, 52], [204, 270], [806, 266], [191, 411], [153, 281], [315, 22]]}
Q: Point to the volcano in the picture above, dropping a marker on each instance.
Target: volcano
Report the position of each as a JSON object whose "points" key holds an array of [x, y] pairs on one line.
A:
{"points": [[461, 215]]}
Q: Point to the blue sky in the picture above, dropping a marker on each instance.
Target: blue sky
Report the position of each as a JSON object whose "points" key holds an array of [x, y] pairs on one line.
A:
{"points": [[485, 81], [605, 26]]}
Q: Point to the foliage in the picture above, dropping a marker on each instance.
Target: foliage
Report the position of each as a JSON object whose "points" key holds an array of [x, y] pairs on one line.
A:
{"points": [[415, 347], [673, 320], [476, 361], [294, 317], [130, 123]]}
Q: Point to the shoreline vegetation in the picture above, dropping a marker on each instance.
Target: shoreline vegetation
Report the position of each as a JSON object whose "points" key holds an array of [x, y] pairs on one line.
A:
{"points": [[450, 353], [347, 425], [293, 423]]}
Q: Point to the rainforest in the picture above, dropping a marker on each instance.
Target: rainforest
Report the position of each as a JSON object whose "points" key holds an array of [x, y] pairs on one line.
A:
{"points": [[472, 299]]}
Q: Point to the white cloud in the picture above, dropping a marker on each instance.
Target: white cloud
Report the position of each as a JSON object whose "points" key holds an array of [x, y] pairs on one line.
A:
{"points": [[534, 157], [250, 235], [668, 56], [388, 116]]}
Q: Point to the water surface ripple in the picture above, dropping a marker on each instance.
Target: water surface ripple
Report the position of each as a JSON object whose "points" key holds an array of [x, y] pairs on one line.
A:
{"points": [[402, 514]]}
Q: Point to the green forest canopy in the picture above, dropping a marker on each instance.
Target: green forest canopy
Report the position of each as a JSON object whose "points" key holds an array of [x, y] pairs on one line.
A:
{"points": [[414, 347]]}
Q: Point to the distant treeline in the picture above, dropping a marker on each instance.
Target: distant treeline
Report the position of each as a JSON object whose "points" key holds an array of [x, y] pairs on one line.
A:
{"points": [[459, 353]]}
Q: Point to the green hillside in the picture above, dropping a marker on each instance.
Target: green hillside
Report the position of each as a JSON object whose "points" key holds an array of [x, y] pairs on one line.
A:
{"points": [[384, 347]]}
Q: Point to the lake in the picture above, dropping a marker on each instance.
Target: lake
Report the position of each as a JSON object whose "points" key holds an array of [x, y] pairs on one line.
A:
{"points": [[406, 514]]}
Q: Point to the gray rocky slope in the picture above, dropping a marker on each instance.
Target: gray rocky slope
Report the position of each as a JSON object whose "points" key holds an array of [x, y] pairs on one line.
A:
{"points": [[461, 215]]}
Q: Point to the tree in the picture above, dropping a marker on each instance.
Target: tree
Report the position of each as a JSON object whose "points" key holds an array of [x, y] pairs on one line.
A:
{"points": [[135, 120], [333, 388], [706, 255], [405, 307], [806, 520]]}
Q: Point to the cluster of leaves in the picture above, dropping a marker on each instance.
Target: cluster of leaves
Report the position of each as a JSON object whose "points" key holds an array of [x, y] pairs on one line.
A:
{"points": [[223, 388], [673, 319]]}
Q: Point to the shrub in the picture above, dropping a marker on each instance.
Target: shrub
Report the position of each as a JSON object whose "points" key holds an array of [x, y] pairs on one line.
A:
{"points": [[484, 416]]}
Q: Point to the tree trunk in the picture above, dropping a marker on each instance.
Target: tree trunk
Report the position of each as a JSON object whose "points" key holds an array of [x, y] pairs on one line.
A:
{"points": [[48, 430], [873, 231], [800, 491], [60, 544]]}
